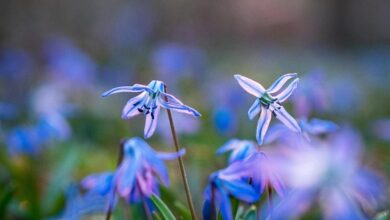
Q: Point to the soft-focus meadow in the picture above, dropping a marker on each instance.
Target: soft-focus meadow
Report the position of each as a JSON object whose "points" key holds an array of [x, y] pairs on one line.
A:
{"points": [[58, 57]]}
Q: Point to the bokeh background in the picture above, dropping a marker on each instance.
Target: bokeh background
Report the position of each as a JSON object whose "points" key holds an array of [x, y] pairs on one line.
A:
{"points": [[57, 57]]}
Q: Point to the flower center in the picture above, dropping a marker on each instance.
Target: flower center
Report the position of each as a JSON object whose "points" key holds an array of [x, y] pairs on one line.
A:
{"points": [[266, 99]]}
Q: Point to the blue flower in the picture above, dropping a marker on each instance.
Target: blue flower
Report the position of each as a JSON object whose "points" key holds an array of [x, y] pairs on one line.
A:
{"points": [[231, 181], [240, 149], [269, 101], [137, 176], [328, 172], [149, 102]]}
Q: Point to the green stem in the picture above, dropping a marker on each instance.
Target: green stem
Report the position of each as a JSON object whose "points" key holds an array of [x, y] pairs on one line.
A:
{"points": [[181, 164]]}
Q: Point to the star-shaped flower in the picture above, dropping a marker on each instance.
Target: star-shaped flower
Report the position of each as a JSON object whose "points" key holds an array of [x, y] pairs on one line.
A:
{"points": [[149, 102], [269, 102]]}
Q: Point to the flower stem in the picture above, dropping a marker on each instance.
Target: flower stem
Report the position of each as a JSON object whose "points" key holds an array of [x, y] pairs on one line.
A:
{"points": [[120, 157], [181, 164]]}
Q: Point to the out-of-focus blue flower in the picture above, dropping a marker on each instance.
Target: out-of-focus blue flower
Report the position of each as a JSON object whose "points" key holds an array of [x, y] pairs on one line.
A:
{"points": [[310, 128], [7, 111], [53, 127], [269, 101], [266, 173], [77, 205], [240, 149], [381, 129], [328, 172], [311, 95], [23, 140], [149, 102], [15, 64], [136, 178], [231, 181], [224, 120], [172, 61], [67, 63]]}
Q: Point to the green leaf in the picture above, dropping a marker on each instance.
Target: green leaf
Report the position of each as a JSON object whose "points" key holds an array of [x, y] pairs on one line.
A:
{"points": [[162, 208], [182, 211], [251, 214], [5, 199]]}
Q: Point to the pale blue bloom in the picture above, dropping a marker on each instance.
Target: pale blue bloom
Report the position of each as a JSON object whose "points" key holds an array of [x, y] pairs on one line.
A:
{"points": [[231, 181], [240, 149], [328, 173], [149, 102], [138, 175], [269, 101]]}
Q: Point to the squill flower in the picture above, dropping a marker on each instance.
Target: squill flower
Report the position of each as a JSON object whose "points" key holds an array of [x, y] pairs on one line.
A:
{"points": [[137, 176], [231, 181], [328, 173], [149, 102], [240, 149], [269, 102]]}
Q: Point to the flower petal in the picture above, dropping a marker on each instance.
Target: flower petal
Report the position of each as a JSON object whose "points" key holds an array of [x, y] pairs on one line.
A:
{"points": [[125, 175], [263, 124], [282, 96], [241, 190], [151, 123], [279, 83], [230, 145], [250, 85], [171, 156], [133, 88], [254, 109], [176, 105], [223, 202], [287, 119], [131, 107]]}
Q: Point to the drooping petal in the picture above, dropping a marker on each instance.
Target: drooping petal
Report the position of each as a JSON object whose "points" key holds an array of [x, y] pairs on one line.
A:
{"points": [[230, 145], [151, 123], [223, 202], [176, 105], [241, 190], [282, 96], [279, 83], [206, 210], [254, 109], [287, 119], [133, 88], [126, 173], [250, 85], [263, 124], [131, 107], [101, 183], [171, 156]]}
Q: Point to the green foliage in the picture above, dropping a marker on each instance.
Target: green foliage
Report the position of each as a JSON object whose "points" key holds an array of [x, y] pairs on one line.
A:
{"points": [[162, 208]]}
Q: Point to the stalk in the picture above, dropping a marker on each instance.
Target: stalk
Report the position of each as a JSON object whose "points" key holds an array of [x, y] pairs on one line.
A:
{"points": [[120, 157], [181, 164]]}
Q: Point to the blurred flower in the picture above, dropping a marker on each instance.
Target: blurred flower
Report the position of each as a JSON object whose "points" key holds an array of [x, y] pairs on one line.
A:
{"points": [[77, 205], [149, 102], [311, 95], [269, 101], [265, 173], [329, 173], [136, 177], [240, 149], [23, 140], [171, 61], [53, 127], [230, 181], [310, 128], [224, 120], [68, 64], [7, 111], [15, 64], [381, 129]]}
